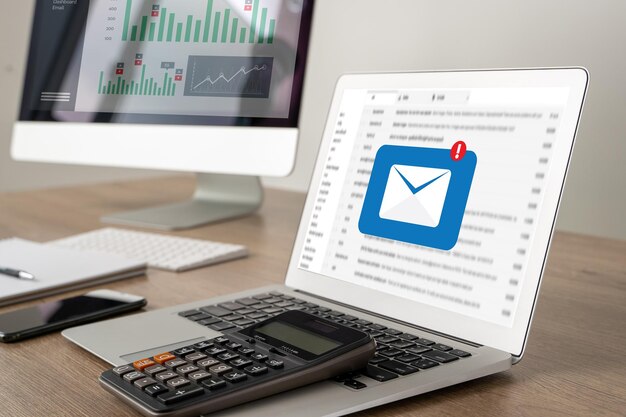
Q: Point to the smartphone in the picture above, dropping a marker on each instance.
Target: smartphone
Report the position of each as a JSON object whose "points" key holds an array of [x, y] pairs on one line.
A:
{"points": [[57, 315]]}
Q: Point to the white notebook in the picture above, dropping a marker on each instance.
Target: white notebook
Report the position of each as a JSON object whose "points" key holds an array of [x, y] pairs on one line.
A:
{"points": [[57, 269]]}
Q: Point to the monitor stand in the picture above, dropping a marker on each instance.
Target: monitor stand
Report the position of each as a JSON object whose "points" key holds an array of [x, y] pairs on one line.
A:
{"points": [[217, 197]]}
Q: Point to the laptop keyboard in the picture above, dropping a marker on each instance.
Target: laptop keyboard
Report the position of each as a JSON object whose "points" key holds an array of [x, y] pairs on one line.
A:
{"points": [[397, 353]]}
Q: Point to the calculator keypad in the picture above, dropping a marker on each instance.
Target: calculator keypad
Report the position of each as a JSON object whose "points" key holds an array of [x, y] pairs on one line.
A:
{"points": [[203, 369]]}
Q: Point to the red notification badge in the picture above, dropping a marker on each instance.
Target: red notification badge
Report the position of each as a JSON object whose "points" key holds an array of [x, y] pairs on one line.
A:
{"points": [[458, 151]]}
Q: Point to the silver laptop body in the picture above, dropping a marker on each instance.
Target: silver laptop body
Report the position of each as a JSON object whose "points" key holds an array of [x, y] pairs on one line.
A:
{"points": [[543, 106]]}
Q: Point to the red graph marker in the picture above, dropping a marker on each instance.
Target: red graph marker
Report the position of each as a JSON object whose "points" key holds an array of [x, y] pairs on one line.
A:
{"points": [[458, 151]]}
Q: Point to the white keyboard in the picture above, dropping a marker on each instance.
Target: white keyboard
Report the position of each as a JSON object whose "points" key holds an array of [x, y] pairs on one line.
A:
{"points": [[164, 252]]}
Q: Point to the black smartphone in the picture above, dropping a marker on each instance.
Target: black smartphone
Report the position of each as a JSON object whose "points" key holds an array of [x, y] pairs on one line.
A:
{"points": [[57, 315]]}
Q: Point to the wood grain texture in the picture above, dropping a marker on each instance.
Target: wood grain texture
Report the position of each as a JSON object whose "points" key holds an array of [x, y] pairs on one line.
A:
{"points": [[574, 363]]}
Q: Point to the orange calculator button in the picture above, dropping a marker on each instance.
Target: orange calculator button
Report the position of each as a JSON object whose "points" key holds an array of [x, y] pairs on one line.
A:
{"points": [[164, 357], [141, 364]]}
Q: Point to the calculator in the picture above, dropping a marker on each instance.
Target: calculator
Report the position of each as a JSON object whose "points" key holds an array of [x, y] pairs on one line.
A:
{"points": [[284, 352]]}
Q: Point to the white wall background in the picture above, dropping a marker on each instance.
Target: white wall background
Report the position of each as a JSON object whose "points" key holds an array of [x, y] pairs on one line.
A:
{"points": [[372, 35]]}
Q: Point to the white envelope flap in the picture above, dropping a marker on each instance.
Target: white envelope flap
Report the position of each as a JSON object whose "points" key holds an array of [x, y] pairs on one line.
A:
{"points": [[419, 202]]}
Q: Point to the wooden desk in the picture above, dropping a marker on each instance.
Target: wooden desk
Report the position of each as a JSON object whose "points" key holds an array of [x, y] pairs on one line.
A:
{"points": [[575, 363]]}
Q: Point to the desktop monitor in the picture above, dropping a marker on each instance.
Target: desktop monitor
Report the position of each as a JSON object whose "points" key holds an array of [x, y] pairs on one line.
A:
{"points": [[205, 86]]}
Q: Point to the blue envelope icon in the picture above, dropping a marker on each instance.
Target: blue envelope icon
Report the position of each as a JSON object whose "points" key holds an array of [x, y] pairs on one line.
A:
{"points": [[417, 195]]}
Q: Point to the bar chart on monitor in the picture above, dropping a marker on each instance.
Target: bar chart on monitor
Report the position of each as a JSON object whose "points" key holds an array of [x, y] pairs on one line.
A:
{"points": [[185, 56]]}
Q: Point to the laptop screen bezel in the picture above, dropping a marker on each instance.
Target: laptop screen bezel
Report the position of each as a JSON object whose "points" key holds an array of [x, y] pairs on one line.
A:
{"points": [[509, 339]]}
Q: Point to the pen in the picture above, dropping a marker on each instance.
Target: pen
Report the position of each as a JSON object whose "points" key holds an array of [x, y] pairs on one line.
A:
{"points": [[16, 273]]}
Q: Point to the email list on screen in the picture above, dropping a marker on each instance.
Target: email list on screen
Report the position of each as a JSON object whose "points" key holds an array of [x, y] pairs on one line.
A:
{"points": [[511, 132]]}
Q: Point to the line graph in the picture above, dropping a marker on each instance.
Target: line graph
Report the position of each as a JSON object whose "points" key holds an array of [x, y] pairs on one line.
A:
{"points": [[228, 76]]}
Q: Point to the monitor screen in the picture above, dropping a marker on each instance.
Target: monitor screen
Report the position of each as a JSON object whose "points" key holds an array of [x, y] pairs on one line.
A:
{"points": [[434, 195], [215, 62]]}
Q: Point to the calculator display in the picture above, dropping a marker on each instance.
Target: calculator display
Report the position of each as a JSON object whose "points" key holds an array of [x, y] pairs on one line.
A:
{"points": [[298, 337]]}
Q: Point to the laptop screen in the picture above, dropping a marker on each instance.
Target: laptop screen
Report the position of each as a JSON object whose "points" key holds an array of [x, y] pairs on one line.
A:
{"points": [[433, 195]]}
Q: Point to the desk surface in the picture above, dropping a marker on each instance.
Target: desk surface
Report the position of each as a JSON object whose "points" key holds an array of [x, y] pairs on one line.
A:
{"points": [[574, 363]]}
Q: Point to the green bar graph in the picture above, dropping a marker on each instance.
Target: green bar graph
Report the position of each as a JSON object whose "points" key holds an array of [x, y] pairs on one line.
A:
{"points": [[225, 28], [151, 33], [255, 10], [262, 27], [146, 86], [179, 31], [170, 27], [142, 32], [233, 31], [270, 34], [216, 26], [188, 28], [257, 25], [161, 25], [207, 20], [143, 77], [129, 4], [196, 32]]}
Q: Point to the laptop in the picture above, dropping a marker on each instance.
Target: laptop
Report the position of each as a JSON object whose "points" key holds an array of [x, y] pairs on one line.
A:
{"points": [[427, 224]]}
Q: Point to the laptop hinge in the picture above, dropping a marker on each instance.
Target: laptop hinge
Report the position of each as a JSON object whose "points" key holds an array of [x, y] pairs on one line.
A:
{"points": [[371, 313]]}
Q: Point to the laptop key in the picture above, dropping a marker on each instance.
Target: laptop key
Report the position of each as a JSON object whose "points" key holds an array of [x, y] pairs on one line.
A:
{"points": [[402, 344], [231, 305], [408, 336], [222, 326], [232, 317], [261, 306], [363, 322], [378, 359], [387, 339], [200, 316], [425, 342], [425, 364], [273, 310], [377, 326], [273, 300], [256, 316], [397, 367], [216, 311], [284, 304], [378, 374], [390, 353], [407, 357], [418, 350], [442, 347], [188, 313], [460, 353], [207, 322], [393, 332], [439, 356], [247, 301], [244, 322], [246, 311], [262, 296], [276, 293], [354, 384]]}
